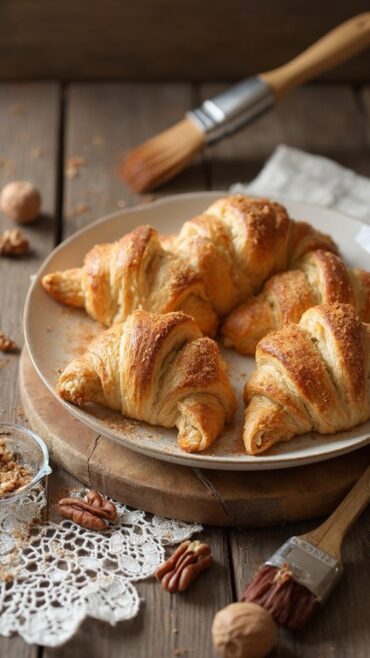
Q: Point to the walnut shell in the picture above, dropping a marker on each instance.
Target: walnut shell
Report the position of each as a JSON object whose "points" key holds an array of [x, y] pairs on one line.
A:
{"points": [[243, 630], [21, 201]]}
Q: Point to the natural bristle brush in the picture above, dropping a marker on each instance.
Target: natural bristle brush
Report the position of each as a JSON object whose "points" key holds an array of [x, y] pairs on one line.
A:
{"points": [[165, 155], [298, 578]]}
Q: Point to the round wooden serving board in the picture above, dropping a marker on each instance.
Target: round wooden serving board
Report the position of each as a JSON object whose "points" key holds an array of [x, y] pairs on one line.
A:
{"points": [[254, 498]]}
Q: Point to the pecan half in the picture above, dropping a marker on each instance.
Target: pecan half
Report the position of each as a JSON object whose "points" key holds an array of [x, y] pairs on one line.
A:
{"points": [[186, 563], [93, 513]]}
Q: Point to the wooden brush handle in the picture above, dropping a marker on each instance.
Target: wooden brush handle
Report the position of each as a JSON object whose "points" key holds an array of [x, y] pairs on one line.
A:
{"points": [[330, 534], [339, 45]]}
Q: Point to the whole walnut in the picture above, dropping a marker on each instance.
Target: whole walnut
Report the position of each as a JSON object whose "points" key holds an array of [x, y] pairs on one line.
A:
{"points": [[243, 630], [21, 201]]}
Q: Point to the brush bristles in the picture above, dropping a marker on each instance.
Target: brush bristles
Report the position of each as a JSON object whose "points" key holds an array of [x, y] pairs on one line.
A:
{"points": [[162, 157], [289, 603]]}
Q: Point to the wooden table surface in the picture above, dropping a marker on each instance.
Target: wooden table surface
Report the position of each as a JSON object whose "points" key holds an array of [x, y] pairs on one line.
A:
{"points": [[42, 127]]}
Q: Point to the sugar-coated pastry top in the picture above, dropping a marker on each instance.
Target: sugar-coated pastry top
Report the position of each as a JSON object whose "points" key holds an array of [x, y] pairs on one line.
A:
{"points": [[157, 368], [310, 376]]}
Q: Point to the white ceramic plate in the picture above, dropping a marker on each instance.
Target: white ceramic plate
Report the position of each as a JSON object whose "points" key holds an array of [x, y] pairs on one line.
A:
{"points": [[55, 334]]}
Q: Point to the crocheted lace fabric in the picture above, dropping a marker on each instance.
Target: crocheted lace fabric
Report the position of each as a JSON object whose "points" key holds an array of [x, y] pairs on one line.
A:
{"points": [[53, 575]]}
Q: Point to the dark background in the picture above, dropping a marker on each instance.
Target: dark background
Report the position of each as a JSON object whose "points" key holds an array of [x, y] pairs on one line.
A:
{"points": [[165, 39]]}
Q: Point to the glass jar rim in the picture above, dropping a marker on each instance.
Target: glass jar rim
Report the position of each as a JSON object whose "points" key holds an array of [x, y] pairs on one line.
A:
{"points": [[44, 469]]}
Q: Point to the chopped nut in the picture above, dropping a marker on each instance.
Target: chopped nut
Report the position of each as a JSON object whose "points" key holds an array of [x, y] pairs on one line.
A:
{"points": [[93, 513], [186, 563], [13, 243], [13, 475], [74, 165], [6, 344]]}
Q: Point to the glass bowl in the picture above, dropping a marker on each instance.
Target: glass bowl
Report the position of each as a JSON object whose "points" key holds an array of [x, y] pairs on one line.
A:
{"points": [[29, 450]]}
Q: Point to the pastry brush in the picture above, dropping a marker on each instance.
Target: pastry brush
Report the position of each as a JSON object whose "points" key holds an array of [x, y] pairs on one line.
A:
{"points": [[299, 577], [163, 156]]}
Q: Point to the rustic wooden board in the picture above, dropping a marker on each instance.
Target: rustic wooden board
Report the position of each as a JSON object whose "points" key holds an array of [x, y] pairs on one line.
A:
{"points": [[163, 40], [212, 497]]}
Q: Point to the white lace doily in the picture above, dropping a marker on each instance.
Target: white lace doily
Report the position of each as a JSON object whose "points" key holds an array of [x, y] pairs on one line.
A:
{"points": [[63, 573]]}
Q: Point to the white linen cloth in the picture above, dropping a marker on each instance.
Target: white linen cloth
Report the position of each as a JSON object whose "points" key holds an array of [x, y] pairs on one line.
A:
{"points": [[300, 176]]}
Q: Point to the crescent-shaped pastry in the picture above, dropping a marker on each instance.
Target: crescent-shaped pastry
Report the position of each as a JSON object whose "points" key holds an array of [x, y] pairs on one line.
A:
{"points": [[159, 369], [217, 261], [321, 278], [239, 242], [314, 376], [134, 272]]}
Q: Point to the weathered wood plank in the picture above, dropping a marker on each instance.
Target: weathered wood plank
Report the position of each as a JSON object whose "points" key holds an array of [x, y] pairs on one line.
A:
{"points": [[102, 121], [28, 150], [321, 119], [365, 103], [142, 40]]}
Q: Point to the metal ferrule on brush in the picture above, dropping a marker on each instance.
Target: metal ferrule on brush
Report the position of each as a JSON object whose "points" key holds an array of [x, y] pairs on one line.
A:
{"points": [[232, 109], [310, 566]]}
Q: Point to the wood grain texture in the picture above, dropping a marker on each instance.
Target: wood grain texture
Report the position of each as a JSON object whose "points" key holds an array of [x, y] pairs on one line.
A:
{"points": [[163, 40], [28, 146], [364, 99], [28, 149], [105, 120], [323, 120]]}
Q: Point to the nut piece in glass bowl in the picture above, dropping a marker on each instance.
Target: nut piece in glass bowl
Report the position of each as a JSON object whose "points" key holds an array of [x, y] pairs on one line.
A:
{"points": [[243, 630], [20, 201]]}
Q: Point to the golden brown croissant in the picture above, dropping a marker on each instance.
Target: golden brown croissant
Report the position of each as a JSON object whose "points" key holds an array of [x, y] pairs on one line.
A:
{"points": [[159, 369], [310, 376], [239, 242], [321, 278], [134, 272], [230, 251]]}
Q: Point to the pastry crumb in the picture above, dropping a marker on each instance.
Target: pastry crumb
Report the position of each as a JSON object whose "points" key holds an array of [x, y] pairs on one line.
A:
{"points": [[74, 164]]}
